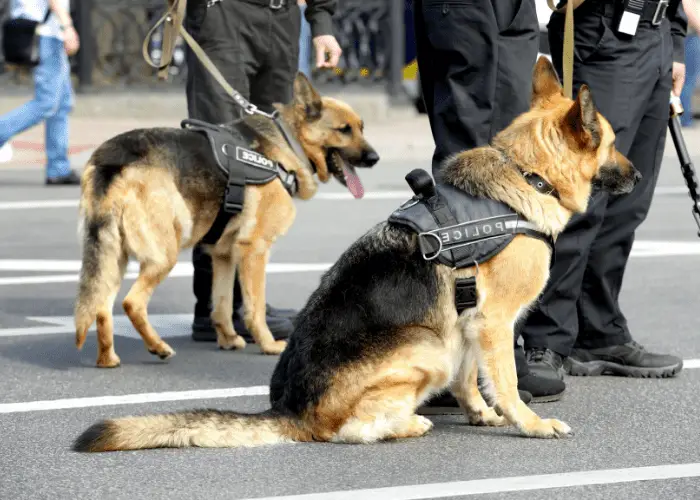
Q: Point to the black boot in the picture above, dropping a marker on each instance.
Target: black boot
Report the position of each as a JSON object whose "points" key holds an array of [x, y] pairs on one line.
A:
{"points": [[629, 360], [545, 363]]}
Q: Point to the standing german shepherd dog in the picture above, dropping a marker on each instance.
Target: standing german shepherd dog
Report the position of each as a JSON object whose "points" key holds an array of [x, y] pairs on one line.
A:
{"points": [[149, 193], [381, 333]]}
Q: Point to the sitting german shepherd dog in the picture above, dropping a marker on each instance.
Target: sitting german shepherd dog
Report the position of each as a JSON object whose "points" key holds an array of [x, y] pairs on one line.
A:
{"points": [[381, 334], [149, 193]]}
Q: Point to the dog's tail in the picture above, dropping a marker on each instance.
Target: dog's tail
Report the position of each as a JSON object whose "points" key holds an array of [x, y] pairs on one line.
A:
{"points": [[102, 249], [197, 428]]}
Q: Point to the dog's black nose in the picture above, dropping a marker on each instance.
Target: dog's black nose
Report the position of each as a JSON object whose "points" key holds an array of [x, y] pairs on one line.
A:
{"points": [[637, 175], [370, 157]]}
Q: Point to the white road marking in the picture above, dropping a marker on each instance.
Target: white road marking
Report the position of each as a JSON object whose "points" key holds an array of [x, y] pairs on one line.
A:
{"points": [[403, 194], [505, 484], [181, 270], [130, 399], [640, 249]]}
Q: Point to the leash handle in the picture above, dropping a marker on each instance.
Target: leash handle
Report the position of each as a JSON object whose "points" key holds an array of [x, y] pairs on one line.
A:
{"points": [[172, 21], [568, 55]]}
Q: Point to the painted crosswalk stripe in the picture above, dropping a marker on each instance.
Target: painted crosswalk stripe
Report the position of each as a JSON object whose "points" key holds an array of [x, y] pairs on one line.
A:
{"points": [[506, 484]]}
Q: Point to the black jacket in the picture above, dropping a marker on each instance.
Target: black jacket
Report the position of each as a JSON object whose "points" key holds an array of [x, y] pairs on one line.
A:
{"points": [[319, 14]]}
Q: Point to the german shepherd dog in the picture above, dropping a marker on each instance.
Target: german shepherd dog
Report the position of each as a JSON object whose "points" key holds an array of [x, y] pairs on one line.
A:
{"points": [[381, 333], [149, 193]]}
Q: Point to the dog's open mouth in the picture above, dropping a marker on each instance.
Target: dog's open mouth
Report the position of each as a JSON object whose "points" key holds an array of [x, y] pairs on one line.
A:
{"points": [[345, 173]]}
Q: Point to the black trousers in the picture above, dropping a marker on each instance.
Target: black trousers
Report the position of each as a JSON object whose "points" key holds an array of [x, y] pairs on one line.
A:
{"points": [[630, 80], [475, 60], [256, 49]]}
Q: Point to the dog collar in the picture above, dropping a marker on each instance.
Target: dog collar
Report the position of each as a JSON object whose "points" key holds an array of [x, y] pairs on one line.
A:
{"points": [[539, 183]]}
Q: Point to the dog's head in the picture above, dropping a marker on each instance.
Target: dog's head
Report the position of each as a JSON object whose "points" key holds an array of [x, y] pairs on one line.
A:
{"points": [[573, 144], [332, 135]]}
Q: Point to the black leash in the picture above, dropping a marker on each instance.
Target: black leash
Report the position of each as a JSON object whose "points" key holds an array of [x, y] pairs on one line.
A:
{"points": [[687, 168]]}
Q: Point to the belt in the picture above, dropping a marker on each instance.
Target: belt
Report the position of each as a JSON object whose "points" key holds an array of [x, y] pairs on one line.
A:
{"points": [[654, 11], [272, 4]]}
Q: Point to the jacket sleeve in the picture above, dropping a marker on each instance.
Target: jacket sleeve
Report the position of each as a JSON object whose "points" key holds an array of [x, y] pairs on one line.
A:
{"points": [[679, 28], [319, 14]]}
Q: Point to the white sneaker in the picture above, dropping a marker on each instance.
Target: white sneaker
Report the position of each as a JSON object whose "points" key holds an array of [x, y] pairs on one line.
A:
{"points": [[6, 153]]}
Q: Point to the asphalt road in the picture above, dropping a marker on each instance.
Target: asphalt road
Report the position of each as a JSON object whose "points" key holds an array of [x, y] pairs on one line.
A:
{"points": [[636, 438]]}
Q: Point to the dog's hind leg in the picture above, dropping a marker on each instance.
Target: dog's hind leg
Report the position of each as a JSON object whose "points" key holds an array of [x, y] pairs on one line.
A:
{"points": [[106, 356]]}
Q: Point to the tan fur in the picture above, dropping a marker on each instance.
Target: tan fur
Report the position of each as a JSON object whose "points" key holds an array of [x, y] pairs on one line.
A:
{"points": [[147, 216], [375, 397]]}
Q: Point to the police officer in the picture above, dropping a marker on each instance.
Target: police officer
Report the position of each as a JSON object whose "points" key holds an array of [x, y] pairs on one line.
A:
{"points": [[255, 46], [475, 60], [578, 325]]}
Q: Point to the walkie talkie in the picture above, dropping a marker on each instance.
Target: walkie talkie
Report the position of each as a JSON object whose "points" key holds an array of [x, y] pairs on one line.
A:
{"points": [[628, 19]]}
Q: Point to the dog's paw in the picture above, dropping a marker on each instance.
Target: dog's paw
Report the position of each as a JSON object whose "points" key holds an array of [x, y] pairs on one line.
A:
{"points": [[487, 417], [108, 360], [163, 351], [274, 348], [549, 428], [231, 343]]}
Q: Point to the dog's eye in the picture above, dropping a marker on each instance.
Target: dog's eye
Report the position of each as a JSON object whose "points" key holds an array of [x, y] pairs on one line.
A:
{"points": [[347, 129]]}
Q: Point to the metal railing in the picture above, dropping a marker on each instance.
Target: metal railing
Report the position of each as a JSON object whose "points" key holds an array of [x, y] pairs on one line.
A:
{"points": [[370, 32]]}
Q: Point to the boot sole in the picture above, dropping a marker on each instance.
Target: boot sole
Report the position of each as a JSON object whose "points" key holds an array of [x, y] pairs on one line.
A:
{"points": [[597, 368]]}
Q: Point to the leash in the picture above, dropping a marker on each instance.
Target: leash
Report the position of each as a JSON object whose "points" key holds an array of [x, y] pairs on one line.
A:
{"points": [[568, 55], [687, 168], [172, 22]]}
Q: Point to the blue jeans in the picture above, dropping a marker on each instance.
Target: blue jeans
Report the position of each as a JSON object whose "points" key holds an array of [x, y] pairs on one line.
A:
{"points": [[305, 45], [53, 100], [692, 70]]}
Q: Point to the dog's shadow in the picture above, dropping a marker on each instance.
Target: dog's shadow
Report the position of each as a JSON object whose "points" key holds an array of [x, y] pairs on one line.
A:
{"points": [[193, 360]]}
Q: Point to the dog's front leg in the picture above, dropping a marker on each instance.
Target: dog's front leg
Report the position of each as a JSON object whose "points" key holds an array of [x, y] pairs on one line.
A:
{"points": [[253, 259], [496, 342], [465, 389], [223, 266]]}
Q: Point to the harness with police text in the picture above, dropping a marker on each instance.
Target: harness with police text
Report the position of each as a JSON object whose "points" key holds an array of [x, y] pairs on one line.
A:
{"points": [[242, 167], [459, 230]]}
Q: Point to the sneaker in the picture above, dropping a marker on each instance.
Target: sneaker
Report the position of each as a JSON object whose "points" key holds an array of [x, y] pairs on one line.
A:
{"points": [[70, 179], [543, 389], [446, 404], [280, 327], [630, 360], [545, 363], [6, 152]]}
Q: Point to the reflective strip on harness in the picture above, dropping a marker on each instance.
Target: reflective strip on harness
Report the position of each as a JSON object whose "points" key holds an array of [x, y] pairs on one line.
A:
{"points": [[433, 243]]}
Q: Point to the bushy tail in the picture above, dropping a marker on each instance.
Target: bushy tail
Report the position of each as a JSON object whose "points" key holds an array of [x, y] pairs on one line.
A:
{"points": [[102, 262], [197, 428]]}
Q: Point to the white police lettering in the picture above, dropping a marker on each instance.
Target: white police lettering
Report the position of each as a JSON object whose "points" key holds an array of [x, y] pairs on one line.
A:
{"points": [[473, 231], [253, 158]]}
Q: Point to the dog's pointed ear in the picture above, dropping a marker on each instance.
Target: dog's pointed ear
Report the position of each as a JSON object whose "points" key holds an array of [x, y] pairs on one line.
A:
{"points": [[582, 119], [307, 98], [545, 82]]}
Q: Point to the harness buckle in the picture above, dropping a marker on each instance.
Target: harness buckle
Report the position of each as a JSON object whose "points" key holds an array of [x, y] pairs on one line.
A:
{"points": [[277, 4], [660, 12], [425, 247], [465, 294]]}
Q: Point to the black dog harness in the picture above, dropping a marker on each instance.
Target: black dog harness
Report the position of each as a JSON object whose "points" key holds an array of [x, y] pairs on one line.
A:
{"points": [[241, 165], [459, 230]]}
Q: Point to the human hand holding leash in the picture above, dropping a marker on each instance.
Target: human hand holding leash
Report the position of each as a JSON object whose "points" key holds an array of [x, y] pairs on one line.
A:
{"points": [[327, 45]]}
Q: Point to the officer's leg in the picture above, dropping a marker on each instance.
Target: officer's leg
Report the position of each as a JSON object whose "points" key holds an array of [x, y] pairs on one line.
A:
{"points": [[601, 61], [457, 60], [213, 27], [273, 82], [604, 340]]}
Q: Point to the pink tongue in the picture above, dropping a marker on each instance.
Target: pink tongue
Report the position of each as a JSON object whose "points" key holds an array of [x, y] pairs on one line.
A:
{"points": [[353, 182]]}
